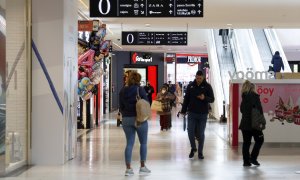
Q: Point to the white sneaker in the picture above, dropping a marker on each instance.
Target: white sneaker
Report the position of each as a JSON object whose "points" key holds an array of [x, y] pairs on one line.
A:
{"points": [[129, 172], [144, 170]]}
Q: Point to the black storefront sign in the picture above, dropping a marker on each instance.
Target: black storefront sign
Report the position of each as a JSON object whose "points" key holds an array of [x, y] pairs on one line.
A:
{"points": [[154, 38], [146, 8]]}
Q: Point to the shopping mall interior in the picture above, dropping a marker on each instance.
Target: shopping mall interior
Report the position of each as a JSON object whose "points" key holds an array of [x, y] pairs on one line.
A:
{"points": [[64, 70]]}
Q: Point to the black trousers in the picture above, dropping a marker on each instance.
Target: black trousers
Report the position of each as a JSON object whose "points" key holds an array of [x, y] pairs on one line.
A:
{"points": [[259, 140]]}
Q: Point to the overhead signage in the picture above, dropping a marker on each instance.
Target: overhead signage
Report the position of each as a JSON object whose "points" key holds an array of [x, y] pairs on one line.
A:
{"points": [[146, 8], [154, 38]]}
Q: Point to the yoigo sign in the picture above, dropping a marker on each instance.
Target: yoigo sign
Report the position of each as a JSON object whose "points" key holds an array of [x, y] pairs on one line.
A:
{"points": [[250, 74]]}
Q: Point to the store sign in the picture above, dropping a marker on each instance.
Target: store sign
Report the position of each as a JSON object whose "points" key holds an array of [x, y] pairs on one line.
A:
{"points": [[170, 57], [146, 8], [194, 59], [154, 38], [136, 58], [88, 25]]}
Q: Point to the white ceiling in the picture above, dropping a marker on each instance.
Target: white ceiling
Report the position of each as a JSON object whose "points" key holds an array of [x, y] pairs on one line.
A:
{"points": [[217, 14]]}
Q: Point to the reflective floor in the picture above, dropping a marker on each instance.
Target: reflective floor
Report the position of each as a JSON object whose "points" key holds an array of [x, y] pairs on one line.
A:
{"points": [[100, 156]]}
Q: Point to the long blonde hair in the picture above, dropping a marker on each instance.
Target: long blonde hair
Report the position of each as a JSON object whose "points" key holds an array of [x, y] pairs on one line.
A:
{"points": [[248, 87]]}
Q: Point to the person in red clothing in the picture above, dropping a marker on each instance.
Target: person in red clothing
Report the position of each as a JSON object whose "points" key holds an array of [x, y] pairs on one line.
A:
{"points": [[165, 117]]}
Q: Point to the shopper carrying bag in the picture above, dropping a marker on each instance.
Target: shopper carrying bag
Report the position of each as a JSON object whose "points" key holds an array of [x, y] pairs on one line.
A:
{"points": [[251, 124], [128, 102]]}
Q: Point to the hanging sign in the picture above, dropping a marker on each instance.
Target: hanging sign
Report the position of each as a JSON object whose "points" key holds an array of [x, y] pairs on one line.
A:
{"points": [[154, 38], [146, 8]]}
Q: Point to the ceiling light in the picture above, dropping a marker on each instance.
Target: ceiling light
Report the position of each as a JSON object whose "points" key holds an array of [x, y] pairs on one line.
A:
{"points": [[147, 25], [84, 4], [117, 45], [229, 24]]}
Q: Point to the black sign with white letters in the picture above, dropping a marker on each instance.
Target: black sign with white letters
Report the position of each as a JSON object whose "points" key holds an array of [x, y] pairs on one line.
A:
{"points": [[146, 8], [154, 38]]}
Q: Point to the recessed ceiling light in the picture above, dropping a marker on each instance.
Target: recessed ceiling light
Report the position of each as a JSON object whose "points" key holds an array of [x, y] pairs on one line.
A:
{"points": [[147, 25], [229, 24]]}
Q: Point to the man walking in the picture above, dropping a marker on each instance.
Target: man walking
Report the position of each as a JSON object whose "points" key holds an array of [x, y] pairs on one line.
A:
{"points": [[149, 91], [196, 102]]}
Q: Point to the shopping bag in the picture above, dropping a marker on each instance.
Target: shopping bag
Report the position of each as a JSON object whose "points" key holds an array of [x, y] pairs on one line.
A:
{"points": [[156, 106], [258, 120]]}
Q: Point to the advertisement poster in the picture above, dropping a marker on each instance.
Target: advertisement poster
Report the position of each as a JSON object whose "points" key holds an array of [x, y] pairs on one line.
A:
{"points": [[280, 104]]}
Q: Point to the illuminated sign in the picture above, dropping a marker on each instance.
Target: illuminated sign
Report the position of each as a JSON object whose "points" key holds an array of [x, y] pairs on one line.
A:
{"points": [[136, 58]]}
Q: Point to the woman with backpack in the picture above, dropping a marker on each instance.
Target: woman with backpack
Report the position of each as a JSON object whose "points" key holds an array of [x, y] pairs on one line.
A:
{"points": [[250, 100], [127, 102]]}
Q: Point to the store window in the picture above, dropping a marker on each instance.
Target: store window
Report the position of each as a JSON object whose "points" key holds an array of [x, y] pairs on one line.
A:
{"points": [[13, 94]]}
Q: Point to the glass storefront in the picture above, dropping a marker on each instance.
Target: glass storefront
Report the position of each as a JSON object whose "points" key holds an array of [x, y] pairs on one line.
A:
{"points": [[13, 84]]}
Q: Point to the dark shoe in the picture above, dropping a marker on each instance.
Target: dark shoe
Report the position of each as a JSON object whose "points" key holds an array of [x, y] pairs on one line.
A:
{"points": [[247, 164], [191, 155], [200, 156], [254, 162]]}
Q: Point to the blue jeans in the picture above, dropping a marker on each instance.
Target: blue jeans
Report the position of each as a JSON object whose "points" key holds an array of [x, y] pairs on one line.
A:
{"points": [[197, 122], [129, 128]]}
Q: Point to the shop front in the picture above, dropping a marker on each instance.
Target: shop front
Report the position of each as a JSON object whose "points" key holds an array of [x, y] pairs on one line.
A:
{"points": [[149, 65], [181, 68]]}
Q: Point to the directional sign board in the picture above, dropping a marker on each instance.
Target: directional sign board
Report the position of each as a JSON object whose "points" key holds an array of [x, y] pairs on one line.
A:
{"points": [[154, 38], [146, 8]]}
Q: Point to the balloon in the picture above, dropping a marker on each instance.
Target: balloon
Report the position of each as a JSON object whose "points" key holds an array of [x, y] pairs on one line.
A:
{"points": [[86, 95], [96, 66], [85, 81]]}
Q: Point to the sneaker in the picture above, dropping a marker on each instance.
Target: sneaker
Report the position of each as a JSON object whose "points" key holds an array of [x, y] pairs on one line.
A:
{"points": [[247, 164], [129, 172], [254, 162], [144, 170], [191, 155]]}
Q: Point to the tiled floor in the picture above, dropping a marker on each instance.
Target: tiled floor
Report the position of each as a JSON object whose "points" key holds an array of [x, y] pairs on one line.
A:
{"points": [[100, 156]]}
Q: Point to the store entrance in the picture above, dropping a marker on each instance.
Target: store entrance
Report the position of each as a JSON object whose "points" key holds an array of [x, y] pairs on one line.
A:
{"points": [[148, 73]]}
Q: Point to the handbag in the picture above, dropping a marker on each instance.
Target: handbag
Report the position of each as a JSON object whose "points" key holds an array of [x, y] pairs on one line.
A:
{"points": [[258, 120], [143, 111], [156, 105]]}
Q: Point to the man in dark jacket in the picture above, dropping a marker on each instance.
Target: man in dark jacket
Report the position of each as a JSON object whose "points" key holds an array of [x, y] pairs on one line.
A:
{"points": [[277, 62], [196, 100], [149, 91]]}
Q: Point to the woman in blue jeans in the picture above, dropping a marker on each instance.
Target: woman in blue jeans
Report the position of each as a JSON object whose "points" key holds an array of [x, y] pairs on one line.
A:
{"points": [[127, 101]]}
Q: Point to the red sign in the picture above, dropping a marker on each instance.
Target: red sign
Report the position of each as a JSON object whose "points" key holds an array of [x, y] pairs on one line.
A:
{"points": [[88, 25]]}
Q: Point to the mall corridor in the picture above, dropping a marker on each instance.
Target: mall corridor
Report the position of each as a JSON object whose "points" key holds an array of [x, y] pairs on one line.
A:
{"points": [[100, 156]]}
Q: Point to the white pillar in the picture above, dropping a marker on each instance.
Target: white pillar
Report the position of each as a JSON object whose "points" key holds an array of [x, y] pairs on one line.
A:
{"points": [[54, 31]]}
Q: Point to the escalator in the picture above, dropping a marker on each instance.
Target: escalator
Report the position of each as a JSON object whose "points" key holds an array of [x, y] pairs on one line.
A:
{"points": [[226, 63], [263, 47]]}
